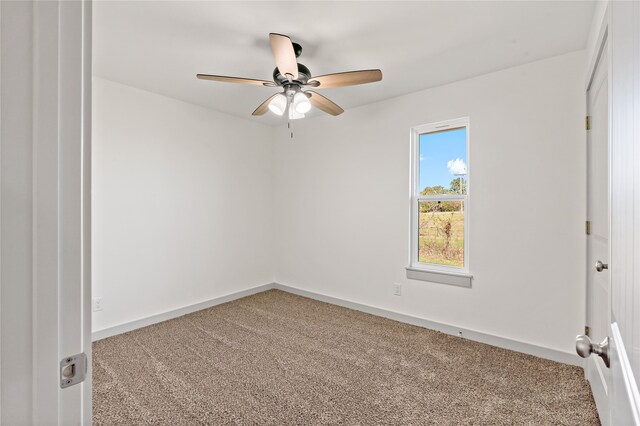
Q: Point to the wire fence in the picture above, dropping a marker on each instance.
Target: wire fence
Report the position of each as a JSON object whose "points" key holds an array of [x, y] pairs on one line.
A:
{"points": [[437, 234]]}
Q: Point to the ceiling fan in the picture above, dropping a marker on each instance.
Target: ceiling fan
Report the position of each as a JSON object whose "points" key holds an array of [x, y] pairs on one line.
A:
{"points": [[292, 77]]}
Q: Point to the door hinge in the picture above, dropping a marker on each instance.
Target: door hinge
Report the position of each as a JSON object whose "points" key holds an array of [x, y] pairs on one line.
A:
{"points": [[73, 370], [587, 227], [586, 330], [587, 122]]}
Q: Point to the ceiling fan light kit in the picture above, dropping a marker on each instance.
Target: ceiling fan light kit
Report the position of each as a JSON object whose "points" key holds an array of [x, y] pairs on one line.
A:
{"points": [[294, 115], [292, 77]]}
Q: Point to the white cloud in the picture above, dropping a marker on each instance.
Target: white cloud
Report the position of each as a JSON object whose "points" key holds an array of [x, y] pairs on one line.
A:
{"points": [[457, 167]]}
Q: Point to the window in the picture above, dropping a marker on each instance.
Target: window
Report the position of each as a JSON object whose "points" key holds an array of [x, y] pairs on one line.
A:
{"points": [[440, 203]]}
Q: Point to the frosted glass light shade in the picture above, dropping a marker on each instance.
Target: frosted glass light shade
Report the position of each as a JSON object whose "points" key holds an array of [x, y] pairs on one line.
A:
{"points": [[278, 104], [301, 103]]}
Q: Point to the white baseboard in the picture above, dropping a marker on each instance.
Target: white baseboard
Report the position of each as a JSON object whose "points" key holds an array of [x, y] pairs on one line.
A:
{"points": [[154, 319], [489, 339], [477, 336]]}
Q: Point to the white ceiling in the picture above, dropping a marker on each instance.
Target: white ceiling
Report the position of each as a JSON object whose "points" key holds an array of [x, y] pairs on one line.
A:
{"points": [[160, 46]]}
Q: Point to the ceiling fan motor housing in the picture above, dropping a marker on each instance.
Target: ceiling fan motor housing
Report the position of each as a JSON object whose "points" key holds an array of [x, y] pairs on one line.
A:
{"points": [[303, 75]]}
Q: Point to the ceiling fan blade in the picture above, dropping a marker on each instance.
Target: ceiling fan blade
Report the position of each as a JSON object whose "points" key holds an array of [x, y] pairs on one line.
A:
{"points": [[282, 49], [350, 78], [235, 80], [264, 106], [324, 104]]}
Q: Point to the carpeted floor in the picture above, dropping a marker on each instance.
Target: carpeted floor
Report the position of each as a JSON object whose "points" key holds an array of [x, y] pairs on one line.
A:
{"points": [[279, 359]]}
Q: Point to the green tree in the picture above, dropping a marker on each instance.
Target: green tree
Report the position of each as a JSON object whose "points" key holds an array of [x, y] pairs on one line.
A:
{"points": [[435, 190], [459, 185]]}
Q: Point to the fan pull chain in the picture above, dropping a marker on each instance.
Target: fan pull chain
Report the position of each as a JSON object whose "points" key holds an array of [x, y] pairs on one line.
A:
{"points": [[290, 127]]}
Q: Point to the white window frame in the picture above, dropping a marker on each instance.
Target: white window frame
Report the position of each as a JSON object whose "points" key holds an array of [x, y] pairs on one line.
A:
{"points": [[445, 274]]}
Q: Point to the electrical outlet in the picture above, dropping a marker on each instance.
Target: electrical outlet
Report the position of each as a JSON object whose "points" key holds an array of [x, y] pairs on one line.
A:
{"points": [[97, 304], [397, 289]]}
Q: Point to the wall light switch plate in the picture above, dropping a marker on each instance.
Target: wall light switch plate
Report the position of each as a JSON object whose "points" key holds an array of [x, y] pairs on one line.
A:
{"points": [[97, 304], [397, 289]]}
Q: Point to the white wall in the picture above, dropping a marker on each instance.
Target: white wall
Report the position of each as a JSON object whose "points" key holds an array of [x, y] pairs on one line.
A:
{"points": [[342, 203], [182, 204]]}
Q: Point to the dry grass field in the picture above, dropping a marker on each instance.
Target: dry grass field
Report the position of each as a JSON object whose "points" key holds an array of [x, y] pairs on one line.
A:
{"points": [[442, 238]]}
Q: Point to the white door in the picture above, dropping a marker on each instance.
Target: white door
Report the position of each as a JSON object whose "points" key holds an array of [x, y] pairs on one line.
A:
{"points": [[624, 40], [613, 246], [598, 278]]}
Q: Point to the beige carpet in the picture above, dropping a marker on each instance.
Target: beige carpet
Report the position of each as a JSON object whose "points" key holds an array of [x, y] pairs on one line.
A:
{"points": [[279, 359]]}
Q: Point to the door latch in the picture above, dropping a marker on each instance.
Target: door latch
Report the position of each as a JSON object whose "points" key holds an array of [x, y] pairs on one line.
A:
{"points": [[73, 370], [601, 266]]}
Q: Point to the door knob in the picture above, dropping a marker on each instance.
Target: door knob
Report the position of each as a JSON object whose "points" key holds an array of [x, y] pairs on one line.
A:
{"points": [[601, 266], [584, 348]]}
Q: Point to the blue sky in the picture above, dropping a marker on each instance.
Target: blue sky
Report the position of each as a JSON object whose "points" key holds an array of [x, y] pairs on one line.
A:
{"points": [[436, 151]]}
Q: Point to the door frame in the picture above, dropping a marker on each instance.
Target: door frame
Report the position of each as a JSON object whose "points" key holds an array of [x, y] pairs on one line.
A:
{"points": [[45, 128], [62, 206]]}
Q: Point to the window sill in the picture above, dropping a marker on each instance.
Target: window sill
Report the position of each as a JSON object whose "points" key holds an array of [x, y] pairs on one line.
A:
{"points": [[460, 279]]}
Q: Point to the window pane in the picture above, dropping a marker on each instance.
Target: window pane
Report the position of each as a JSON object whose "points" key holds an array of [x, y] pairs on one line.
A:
{"points": [[441, 233], [443, 162]]}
